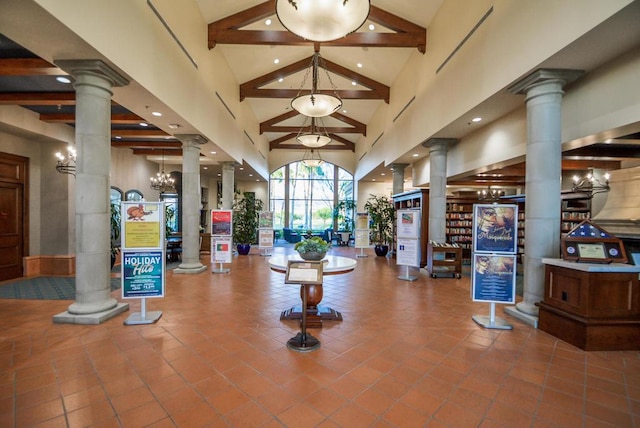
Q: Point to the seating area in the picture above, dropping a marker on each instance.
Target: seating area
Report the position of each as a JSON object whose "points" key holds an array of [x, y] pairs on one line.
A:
{"points": [[291, 236]]}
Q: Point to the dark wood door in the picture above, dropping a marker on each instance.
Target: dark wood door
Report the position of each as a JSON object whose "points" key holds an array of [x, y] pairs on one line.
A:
{"points": [[12, 215]]}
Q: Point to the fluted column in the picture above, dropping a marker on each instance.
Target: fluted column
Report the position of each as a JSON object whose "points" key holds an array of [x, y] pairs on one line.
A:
{"points": [[228, 177], [190, 204], [93, 82], [438, 148], [398, 177], [543, 90]]}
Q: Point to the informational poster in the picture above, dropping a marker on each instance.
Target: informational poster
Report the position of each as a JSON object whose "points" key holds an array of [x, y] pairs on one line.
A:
{"points": [[408, 253], [408, 224], [221, 249], [494, 278], [141, 225], [142, 274], [495, 228], [265, 238], [221, 222], [362, 221], [362, 238], [265, 220]]}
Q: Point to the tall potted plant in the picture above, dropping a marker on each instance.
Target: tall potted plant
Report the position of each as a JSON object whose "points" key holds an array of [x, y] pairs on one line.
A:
{"points": [[245, 221], [115, 232], [381, 215]]}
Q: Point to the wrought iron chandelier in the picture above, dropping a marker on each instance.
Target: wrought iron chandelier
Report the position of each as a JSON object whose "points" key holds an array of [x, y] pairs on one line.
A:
{"points": [[490, 195], [312, 158], [67, 164], [590, 184], [316, 137], [162, 182], [322, 21], [314, 103]]}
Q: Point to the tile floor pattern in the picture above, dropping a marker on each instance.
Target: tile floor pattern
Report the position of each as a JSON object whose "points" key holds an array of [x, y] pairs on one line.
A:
{"points": [[406, 355]]}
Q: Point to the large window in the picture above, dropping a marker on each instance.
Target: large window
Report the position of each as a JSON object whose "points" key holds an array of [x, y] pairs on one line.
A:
{"points": [[304, 197]]}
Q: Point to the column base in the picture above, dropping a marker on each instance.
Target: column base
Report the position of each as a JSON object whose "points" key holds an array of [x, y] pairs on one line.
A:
{"points": [[531, 320], [190, 268], [90, 319]]}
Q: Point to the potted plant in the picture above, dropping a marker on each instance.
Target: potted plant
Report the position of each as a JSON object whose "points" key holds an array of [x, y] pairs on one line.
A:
{"points": [[314, 248], [245, 221], [115, 232], [343, 214], [381, 215]]}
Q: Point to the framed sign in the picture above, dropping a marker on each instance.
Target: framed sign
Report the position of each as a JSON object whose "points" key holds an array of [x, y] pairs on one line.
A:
{"points": [[494, 278], [303, 272], [588, 243], [221, 222], [141, 225], [495, 228], [142, 274]]}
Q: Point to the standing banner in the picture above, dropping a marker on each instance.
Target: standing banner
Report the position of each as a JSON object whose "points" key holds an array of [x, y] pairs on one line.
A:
{"points": [[221, 249], [361, 235], [265, 230], [494, 259], [221, 222], [221, 239], [143, 256], [408, 241]]}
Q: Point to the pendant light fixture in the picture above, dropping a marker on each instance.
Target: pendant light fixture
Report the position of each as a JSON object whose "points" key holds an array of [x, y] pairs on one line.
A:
{"points": [[322, 20], [315, 104], [67, 164], [312, 158], [162, 182], [316, 137]]}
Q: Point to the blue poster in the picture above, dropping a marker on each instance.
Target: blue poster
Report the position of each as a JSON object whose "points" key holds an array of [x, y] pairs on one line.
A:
{"points": [[494, 278], [495, 228], [142, 274]]}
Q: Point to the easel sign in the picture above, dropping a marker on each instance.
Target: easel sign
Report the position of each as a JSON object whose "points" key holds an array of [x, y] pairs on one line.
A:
{"points": [[303, 272]]}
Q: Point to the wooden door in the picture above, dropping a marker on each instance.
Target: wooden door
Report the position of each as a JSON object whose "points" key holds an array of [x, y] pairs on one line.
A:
{"points": [[12, 215]]}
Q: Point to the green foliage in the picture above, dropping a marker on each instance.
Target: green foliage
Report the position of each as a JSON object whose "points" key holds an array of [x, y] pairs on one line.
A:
{"points": [[116, 219], [381, 214], [343, 213], [245, 218], [169, 215], [314, 244], [324, 214]]}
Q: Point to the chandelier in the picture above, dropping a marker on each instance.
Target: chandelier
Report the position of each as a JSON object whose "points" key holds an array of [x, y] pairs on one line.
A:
{"points": [[311, 159], [590, 184], [315, 104], [490, 195], [315, 137], [162, 182], [67, 164], [322, 21]]}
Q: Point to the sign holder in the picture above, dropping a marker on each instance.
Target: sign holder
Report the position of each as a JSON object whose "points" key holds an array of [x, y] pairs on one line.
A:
{"points": [[362, 233], [265, 241], [144, 255], [220, 253], [303, 273], [408, 242], [406, 276], [492, 321]]}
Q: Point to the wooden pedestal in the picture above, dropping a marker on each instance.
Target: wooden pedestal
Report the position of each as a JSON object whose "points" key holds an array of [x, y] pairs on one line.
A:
{"points": [[594, 307]]}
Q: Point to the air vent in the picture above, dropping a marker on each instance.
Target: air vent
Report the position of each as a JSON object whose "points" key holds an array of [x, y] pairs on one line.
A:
{"points": [[166, 26], [473, 30], [377, 139], [249, 137], [404, 108], [363, 155], [226, 106]]}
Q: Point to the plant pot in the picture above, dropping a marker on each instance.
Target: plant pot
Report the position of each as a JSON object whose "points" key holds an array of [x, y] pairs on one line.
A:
{"points": [[243, 249], [381, 250], [312, 255]]}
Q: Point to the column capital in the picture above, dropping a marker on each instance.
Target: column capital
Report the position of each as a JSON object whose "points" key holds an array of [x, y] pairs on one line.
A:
{"points": [[439, 143], [398, 166], [194, 139], [92, 66], [229, 164], [544, 74]]}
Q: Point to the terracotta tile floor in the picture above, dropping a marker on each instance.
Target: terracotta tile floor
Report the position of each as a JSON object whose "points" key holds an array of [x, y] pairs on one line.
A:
{"points": [[407, 354]]}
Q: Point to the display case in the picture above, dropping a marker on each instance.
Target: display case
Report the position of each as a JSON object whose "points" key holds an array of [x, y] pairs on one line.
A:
{"points": [[416, 200]]}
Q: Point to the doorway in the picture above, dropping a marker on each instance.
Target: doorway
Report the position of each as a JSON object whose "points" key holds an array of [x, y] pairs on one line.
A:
{"points": [[13, 215]]}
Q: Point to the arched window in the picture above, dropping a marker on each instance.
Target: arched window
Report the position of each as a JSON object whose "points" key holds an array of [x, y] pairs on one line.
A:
{"points": [[303, 197], [134, 195]]}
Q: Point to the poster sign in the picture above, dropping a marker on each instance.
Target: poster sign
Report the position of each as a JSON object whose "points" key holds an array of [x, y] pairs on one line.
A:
{"points": [[494, 278], [495, 228], [265, 220], [221, 249], [408, 253], [265, 238], [362, 238], [142, 274], [141, 225], [408, 224], [362, 221], [221, 222]]}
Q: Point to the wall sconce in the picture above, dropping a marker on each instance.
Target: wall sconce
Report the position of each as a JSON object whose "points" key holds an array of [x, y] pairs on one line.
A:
{"points": [[67, 164]]}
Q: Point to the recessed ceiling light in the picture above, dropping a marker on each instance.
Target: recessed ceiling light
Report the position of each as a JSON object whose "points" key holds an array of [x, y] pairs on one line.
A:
{"points": [[373, 179], [281, 80], [276, 61], [205, 167], [118, 137], [174, 125], [415, 155], [156, 113], [354, 83], [63, 79], [267, 22], [372, 27], [219, 174], [344, 111], [476, 119], [383, 173], [250, 175], [144, 124], [359, 65], [241, 168], [214, 153]]}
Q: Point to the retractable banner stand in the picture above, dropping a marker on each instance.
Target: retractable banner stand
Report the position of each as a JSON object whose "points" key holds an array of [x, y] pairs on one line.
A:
{"points": [[408, 241], [221, 239], [265, 232], [362, 233], [143, 257], [493, 277]]}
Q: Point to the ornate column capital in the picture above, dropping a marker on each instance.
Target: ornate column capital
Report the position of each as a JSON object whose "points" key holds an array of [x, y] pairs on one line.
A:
{"points": [[92, 66], [542, 75], [192, 139], [436, 144]]}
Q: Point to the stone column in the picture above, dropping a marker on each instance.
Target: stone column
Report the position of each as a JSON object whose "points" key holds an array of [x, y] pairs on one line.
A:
{"points": [[93, 83], [190, 204], [438, 148], [228, 176], [398, 177], [543, 90]]}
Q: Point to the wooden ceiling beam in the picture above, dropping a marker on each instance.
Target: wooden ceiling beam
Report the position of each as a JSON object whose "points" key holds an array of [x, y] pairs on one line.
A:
{"points": [[146, 144], [38, 98], [347, 144], [152, 152], [116, 119], [345, 94], [28, 67], [329, 129], [139, 133]]}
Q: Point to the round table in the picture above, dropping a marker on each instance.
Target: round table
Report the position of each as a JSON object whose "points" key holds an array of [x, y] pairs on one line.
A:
{"points": [[333, 265]]}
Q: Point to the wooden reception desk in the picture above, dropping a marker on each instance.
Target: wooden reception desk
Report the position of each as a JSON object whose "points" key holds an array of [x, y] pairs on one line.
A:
{"points": [[595, 307]]}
